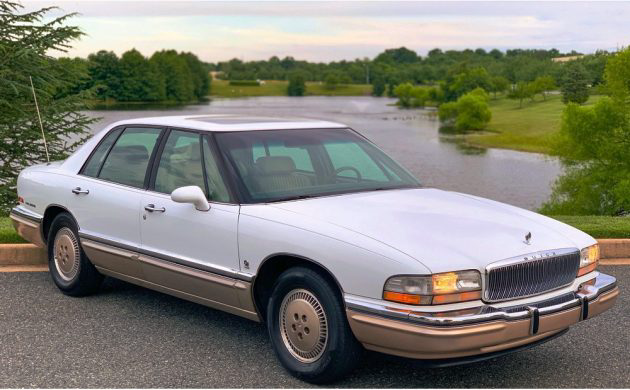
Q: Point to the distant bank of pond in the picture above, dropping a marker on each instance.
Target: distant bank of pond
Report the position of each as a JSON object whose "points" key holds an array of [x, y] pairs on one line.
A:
{"points": [[412, 137]]}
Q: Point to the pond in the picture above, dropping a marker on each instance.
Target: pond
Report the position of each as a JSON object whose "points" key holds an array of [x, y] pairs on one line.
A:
{"points": [[412, 137]]}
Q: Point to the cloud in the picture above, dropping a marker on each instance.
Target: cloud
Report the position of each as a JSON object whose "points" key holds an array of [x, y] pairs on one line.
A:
{"points": [[324, 31]]}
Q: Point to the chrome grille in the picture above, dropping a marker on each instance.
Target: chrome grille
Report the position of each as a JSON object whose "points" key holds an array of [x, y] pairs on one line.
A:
{"points": [[531, 274]]}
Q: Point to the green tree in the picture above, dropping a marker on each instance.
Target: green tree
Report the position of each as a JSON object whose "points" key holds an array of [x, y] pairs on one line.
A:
{"points": [[332, 81], [467, 80], [378, 86], [447, 112], [25, 42], [200, 75], [180, 86], [401, 55], [473, 112], [574, 84], [104, 73], [469, 112], [141, 79], [521, 91], [498, 84], [297, 84], [544, 84], [593, 145], [410, 96], [617, 76]]}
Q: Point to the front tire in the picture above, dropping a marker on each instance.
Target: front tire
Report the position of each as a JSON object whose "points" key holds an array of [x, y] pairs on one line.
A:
{"points": [[71, 270], [308, 327]]}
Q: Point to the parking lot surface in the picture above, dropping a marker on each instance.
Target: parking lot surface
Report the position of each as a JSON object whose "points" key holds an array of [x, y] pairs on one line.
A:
{"points": [[128, 336]]}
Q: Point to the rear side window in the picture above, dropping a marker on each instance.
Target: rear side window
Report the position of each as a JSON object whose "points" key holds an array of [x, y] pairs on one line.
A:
{"points": [[127, 161], [96, 160]]}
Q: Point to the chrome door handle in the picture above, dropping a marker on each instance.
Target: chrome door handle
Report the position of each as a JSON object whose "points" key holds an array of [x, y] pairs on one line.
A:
{"points": [[151, 208], [78, 191]]}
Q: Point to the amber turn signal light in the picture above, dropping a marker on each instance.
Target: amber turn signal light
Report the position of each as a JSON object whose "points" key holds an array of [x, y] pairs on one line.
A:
{"points": [[461, 297], [589, 268], [408, 299]]}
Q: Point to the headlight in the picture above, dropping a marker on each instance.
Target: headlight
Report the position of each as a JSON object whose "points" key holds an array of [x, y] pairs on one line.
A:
{"points": [[434, 289], [589, 257]]}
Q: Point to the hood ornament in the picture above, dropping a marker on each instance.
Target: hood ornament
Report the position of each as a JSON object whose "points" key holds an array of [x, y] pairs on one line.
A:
{"points": [[528, 238]]}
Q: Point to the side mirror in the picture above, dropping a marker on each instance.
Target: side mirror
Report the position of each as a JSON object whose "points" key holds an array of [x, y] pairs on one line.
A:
{"points": [[191, 194]]}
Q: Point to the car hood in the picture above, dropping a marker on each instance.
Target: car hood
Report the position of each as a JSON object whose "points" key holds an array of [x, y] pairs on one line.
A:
{"points": [[443, 230]]}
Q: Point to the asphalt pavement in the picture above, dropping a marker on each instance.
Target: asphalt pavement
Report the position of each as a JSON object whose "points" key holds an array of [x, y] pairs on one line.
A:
{"points": [[128, 336]]}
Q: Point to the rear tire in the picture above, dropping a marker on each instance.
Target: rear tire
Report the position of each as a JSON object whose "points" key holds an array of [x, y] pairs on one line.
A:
{"points": [[308, 327], [71, 270]]}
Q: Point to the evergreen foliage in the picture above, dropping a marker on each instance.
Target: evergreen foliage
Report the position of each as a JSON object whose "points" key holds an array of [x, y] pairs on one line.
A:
{"points": [[25, 41]]}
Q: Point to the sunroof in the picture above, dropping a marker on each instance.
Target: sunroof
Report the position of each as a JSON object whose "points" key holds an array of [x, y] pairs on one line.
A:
{"points": [[242, 120]]}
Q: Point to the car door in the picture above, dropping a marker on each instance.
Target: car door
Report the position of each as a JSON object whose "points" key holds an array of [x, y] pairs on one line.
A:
{"points": [[107, 195], [189, 250]]}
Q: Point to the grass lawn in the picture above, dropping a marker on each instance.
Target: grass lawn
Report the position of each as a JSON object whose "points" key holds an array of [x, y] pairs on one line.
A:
{"points": [[596, 226], [316, 88], [530, 128], [7, 233], [222, 88]]}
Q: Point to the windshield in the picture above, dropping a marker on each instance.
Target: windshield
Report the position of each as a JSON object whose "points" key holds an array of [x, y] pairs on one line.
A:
{"points": [[276, 165]]}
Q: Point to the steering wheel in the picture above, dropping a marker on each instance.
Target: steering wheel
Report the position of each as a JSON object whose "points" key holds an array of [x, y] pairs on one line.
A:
{"points": [[347, 168]]}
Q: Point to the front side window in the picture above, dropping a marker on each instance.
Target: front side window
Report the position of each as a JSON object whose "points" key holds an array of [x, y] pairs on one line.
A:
{"points": [[180, 163], [280, 165], [217, 189], [127, 161]]}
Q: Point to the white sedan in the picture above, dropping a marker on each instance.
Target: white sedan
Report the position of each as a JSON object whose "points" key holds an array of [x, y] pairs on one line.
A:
{"points": [[308, 227]]}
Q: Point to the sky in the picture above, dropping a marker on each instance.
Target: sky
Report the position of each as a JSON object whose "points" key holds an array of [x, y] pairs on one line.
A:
{"points": [[332, 31]]}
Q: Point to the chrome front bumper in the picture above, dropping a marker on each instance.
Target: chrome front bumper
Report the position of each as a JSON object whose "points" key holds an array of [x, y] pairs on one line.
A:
{"points": [[28, 225], [478, 330]]}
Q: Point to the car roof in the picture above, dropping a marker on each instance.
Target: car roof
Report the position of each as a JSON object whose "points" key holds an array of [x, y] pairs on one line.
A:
{"points": [[231, 122]]}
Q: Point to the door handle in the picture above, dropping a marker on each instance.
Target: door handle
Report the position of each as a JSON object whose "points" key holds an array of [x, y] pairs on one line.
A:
{"points": [[78, 191], [151, 208]]}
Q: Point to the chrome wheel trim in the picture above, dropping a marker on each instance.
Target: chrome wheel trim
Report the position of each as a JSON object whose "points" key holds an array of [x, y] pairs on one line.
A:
{"points": [[303, 325], [66, 254]]}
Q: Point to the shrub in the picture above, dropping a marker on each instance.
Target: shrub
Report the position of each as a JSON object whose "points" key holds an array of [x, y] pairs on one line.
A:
{"points": [[473, 112], [410, 96], [297, 84], [447, 111], [469, 112]]}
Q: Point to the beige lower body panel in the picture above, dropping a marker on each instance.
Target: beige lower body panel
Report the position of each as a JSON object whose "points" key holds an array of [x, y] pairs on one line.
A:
{"points": [[431, 342], [28, 230], [120, 261], [212, 290]]}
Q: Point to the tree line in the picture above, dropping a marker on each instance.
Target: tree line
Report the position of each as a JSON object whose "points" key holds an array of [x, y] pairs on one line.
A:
{"points": [[167, 75], [400, 65]]}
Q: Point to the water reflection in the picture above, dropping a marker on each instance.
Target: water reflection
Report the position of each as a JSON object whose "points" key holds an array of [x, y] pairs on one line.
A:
{"points": [[450, 134]]}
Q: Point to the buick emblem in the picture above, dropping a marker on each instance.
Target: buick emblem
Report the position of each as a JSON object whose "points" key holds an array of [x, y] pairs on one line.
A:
{"points": [[528, 238]]}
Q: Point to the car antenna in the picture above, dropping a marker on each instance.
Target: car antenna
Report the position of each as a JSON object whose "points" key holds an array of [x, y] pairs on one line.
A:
{"points": [[41, 126]]}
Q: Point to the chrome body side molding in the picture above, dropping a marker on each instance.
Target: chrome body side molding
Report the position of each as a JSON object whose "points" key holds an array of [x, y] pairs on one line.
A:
{"points": [[232, 273]]}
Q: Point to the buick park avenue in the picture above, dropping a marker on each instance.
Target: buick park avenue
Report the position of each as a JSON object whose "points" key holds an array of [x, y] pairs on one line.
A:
{"points": [[308, 227]]}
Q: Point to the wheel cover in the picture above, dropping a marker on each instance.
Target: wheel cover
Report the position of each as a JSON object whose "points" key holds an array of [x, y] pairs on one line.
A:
{"points": [[303, 325], [66, 254]]}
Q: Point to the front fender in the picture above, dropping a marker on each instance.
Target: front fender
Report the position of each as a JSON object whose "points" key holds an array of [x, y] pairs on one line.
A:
{"points": [[360, 265]]}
